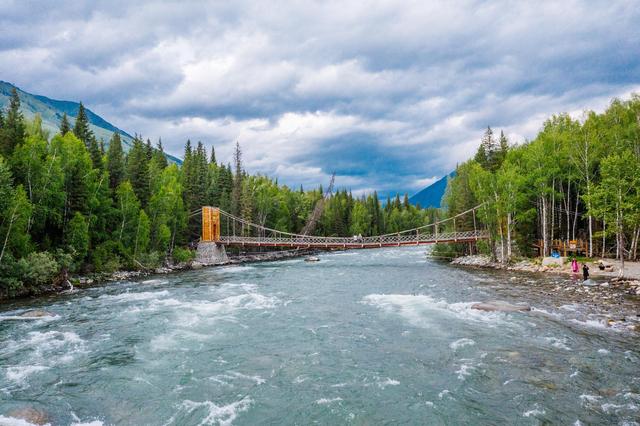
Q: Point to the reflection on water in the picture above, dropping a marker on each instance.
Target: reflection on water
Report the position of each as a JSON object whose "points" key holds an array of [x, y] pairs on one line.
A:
{"points": [[363, 337]]}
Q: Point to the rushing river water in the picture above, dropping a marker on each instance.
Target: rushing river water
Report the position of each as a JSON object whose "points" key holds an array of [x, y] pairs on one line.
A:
{"points": [[362, 337]]}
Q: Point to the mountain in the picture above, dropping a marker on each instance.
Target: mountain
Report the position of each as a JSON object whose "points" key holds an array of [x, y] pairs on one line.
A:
{"points": [[431, 196], [51, 111]]}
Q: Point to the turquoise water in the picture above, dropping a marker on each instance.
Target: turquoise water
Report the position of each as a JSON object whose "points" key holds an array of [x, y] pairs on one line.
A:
{"points": [[364, 337]]}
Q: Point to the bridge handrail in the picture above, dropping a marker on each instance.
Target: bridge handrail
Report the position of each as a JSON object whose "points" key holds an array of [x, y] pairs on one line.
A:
{"points": [[382, 239]]}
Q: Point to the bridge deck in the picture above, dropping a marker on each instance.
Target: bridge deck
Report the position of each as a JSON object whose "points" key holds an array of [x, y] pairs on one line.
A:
{"points": [[354, 243]]}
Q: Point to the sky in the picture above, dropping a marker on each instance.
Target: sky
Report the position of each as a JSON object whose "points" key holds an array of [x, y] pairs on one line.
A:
{"points": [[390, 95]]}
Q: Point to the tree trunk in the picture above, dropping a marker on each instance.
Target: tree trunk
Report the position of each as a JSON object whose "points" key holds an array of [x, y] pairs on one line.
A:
{"points": [[509, 236], [604, 237], [553, 208], [590, 219], [621, 248], [633, 253], [620, 230], [6, 237], [545, 239], [568, 208], [575, 217]]}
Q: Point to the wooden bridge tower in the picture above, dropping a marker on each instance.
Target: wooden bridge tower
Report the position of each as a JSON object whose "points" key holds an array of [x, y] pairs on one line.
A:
{"points": [[210, 224], [210, 251]]}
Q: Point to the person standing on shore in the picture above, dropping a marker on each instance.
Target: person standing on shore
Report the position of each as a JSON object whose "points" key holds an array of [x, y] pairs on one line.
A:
{"points": [[574, 265], [585, 271]]}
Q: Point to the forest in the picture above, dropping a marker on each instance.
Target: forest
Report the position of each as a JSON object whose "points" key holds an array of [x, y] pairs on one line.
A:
{"points": [[577, 180], [71, 204]]}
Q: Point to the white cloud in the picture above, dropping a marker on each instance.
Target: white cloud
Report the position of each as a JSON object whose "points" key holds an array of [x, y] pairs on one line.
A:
{"points": [[393, 94]]}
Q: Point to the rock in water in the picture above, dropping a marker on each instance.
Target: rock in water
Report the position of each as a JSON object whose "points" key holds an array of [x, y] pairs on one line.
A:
{"points": [[31, 415], [312, 259], [500, 306], [36, 314]]}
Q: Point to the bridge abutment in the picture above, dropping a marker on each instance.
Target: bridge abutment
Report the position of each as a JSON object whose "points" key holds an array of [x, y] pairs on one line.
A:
{"points": [[211, 253]]}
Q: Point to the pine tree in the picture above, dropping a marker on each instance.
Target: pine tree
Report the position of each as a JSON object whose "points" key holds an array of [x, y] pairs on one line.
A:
{"points": [[138, 171], [81, 128], [188, 176], [95, 152], [115, 161], [64, 125], [159, 158], [237, 181], [212, 160], [13, 130], [149, 150], [489, 154], [502, 150]]}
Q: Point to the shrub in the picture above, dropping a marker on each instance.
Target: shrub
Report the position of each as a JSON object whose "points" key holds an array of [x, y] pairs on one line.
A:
{"points": [[105, 257], [150, 260], [40, 269], [183, 255], [10, 277]]}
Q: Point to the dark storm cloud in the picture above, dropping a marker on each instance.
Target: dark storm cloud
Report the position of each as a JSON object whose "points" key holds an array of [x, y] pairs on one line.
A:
{"points": [[390, 95]]}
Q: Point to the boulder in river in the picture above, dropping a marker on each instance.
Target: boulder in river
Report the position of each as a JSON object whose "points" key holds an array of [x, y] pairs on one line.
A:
{"points": [[312, 259], [500, 306], [31, 415]]}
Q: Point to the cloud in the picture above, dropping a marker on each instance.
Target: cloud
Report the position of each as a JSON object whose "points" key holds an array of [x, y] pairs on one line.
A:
{"points": [[391, 95]]}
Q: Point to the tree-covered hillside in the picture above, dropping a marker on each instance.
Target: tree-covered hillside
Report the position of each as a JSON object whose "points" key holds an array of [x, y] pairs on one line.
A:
{"points": [[51, 112], [70, 205], [575, 180]]}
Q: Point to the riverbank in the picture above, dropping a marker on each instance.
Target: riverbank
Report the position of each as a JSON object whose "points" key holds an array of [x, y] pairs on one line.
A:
{"points": [[90, 280], [270, 256], [631, 269], [615, 301]]}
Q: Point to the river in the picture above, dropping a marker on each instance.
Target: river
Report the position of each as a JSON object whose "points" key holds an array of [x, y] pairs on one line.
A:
{"points": [[361, 337]]}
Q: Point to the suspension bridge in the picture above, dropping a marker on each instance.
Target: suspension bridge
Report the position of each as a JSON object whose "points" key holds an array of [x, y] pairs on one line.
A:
{"points": [[225, 229]]}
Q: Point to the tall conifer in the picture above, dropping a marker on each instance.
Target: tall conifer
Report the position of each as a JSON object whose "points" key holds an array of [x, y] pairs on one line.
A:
{"points": [[115, 161], [64, 125], [81, 129], [13, 130]]}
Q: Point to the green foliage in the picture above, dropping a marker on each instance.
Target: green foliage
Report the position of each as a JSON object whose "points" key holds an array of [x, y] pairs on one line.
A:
{"points": [[106, 257], [115, 161], [65, 127], [138, 171], [12, 131], [14, 235], [40, 269], [78, 236], [28, 275], [181, 255], [574, 180], [81, 128]]}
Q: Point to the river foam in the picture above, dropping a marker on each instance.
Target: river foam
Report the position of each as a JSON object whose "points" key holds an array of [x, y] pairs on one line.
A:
{"points": [[421, 310], [209, 413]]}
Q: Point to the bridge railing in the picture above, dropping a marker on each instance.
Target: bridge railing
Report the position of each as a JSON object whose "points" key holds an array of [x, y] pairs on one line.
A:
{"points": [[382, 240], [229, 229]]}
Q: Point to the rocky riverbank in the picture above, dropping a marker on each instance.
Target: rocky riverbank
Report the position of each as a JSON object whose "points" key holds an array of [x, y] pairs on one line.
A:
{"points": [[84, 281], [89, 280], [630, 282], [615, 302]]}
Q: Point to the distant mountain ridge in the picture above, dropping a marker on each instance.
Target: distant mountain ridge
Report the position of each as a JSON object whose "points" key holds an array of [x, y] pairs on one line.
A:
{"points": [[431, 196], [52, 110]]}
